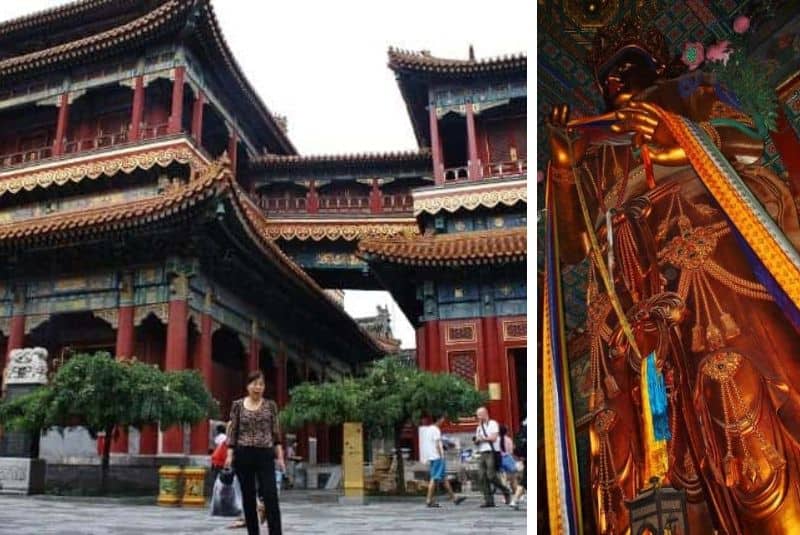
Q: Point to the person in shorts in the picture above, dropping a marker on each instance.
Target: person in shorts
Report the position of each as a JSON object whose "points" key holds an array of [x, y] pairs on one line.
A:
{"points": [[433, 453]]}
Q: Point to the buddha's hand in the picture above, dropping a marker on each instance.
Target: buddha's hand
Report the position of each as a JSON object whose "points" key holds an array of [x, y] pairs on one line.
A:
{"points": [[564, 153], [642, 120]]}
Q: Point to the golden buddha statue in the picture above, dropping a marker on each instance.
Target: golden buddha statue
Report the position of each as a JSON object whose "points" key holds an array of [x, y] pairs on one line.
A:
{"points": [[692, 293]]}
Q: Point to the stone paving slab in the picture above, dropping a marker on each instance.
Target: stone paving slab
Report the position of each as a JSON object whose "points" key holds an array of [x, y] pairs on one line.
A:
{"points": [[67, 516]]}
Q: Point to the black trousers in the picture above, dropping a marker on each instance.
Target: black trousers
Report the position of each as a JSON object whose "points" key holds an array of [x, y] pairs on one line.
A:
{"points": [[258, 463]]}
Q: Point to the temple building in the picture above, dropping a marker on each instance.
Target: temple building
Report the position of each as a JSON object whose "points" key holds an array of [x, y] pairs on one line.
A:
{"points": [[152, 206], [668, 260]]}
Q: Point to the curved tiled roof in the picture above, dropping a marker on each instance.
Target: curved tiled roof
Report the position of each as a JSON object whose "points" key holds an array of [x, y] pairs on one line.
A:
{"points": [[462, 248], [51, 15], [322, 160], [424, 62], [216, 181], [92, 45], [169, 15]]}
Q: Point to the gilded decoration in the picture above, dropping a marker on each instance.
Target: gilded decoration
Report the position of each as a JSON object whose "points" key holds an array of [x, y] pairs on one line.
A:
{"points": [[515, 330], [108, 315], [471, 200], [760, 232], [159, 310], [162, 157], [338, 231], [461, 333], [32, 321]]}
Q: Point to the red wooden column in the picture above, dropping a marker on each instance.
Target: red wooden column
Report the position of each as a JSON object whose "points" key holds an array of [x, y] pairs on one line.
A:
{"points": [[375, 198], [435, 358], [200, 431], [176, 111], [254, 349], [16, 333], [61, 125], [137, 109], [436, 146], [473, 166], [124, 348], [282, 394], [495, 369], [233, 143], [197, 117], [312, 198], [177, 357]]}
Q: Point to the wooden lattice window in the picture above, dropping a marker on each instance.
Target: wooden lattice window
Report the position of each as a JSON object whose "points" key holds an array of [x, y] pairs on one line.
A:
{"points": [[462, 364]]}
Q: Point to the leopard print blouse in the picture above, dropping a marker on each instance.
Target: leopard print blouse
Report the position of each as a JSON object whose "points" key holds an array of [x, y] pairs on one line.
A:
{"points": [[258, 428]]}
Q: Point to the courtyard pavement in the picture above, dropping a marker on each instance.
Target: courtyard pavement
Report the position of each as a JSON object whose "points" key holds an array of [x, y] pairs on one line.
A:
{"points": [[43, 515]]}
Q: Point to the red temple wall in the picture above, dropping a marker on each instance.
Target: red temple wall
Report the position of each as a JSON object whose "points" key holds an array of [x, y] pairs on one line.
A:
{"points": [[476, 349]]}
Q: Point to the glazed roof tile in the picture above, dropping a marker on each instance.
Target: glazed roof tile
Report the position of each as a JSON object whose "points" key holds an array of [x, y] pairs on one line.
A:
{"points": [[424, 62], [462, 248], [214, 182], [171, 14], [365, 158]]}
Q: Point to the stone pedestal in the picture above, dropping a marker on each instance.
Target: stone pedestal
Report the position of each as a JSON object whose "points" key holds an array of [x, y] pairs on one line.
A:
{"points": [[21, 475], [21, 472]]}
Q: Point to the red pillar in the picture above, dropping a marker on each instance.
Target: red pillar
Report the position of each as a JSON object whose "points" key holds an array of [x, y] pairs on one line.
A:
{"points": [[312, 199], [148, 440], [200, 431], [137, 110], [233, 142], [375, 198], [436, 146], [282, 394], [473, 166], [252, 357], [176, 359], [422, 348], [436, 361], [61, 125], [124, 349], [176, 111], [495, 369], [16, 333], [197, 117]]}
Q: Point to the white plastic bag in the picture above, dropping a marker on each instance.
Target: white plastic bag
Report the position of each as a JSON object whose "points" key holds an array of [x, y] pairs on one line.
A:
{"points": [[226, 500]]}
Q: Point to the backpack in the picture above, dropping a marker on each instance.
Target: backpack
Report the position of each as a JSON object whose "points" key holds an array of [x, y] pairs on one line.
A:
{"points": [[521, 442], [220, 455]]}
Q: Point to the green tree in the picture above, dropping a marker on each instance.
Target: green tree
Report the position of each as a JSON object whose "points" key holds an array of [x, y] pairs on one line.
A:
{"points": [[103, 394], [389, 396]]}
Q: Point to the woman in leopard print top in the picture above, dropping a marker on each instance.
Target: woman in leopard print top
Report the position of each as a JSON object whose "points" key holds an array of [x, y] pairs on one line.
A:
{"points": [[255, 450]]}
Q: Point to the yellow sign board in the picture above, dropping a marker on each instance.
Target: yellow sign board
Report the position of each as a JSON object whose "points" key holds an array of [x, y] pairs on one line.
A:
{"points": [[353, 460]]}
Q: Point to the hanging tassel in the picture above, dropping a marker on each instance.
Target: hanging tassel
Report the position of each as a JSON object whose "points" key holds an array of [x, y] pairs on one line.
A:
{"points": [[611, 522], [612, 388], [648, 167], [698, 345], [729, 327], [657, 393], [773, 457], [750, 469], [714, 337], [732, 469]]}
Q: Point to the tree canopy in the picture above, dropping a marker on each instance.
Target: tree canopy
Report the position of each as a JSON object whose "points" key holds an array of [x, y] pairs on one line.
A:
{"points": [[390, 395], [102, 393]]}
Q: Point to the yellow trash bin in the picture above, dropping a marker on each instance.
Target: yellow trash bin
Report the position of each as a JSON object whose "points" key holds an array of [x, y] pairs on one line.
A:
{"points": [[169, 485], [194, 479]]}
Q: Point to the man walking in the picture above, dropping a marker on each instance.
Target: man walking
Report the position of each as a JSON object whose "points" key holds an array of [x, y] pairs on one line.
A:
{"points": [[433, 453], [486, 440]]}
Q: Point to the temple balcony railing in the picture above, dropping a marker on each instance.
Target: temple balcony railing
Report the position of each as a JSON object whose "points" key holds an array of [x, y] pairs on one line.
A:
{"points": [[392, 204], [84, 145], [481, 171], [26, 156], [505, 169]]}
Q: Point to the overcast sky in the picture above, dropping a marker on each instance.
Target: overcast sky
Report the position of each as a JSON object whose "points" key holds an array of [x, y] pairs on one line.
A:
{"points": [[322, 64]]}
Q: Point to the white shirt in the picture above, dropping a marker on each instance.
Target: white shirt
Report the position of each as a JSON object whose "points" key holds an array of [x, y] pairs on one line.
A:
{"points": [[429, 450], [219, 439], [491, 428]]}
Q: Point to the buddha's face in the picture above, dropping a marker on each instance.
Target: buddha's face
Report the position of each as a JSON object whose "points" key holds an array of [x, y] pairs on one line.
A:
{"points": [[631, 74]]}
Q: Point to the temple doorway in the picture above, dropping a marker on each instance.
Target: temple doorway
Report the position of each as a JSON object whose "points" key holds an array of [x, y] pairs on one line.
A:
{"points": [[518, 364]]}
